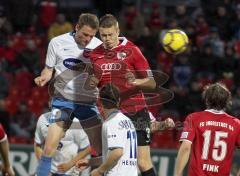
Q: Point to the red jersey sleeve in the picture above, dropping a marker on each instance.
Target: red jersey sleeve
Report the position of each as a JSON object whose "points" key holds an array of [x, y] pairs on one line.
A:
{"points": [[141, 64], [3, 135], [188, 133]]}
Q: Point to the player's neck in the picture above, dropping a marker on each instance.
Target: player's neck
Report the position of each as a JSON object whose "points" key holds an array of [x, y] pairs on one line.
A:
{"points": [[109, 112]]}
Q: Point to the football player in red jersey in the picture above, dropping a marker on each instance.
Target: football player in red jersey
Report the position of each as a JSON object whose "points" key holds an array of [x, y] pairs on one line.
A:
{"points": [[7, 169], [121, 62], [209, 137]]}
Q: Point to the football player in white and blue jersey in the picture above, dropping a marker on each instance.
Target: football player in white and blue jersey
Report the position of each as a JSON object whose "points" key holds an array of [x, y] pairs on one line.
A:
{"points": [[65, 62], [119, 139], [72, 147]]}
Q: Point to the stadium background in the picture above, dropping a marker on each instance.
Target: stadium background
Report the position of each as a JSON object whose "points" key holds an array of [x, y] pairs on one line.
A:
{"points": [[26, 26]]}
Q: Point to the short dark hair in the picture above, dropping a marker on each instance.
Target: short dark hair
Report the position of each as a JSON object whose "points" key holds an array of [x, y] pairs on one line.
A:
{"points": [[108, 21], [109, 96], [89, 20], [217, 96]]}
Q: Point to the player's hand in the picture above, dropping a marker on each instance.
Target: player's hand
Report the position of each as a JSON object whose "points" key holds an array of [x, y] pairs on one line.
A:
{"points": [[96, 172], [130, 78], [8, 171], [41, 80], [169, 123], [64, 167], [91, 82], [82, 164]]}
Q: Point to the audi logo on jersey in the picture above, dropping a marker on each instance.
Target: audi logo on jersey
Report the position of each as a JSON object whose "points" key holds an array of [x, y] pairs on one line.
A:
{"points": [[111, 66]]}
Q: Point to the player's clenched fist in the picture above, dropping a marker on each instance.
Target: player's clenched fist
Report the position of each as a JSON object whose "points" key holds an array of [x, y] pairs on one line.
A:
{"points": [[8, 171], [82, 164], [45, 76], [41, 80], [130, 77], [169, 123]]}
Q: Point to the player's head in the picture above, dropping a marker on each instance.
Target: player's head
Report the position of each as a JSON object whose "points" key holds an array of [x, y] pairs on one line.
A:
{"points": [[109, 31], [109, 96], [86, 28], [217, 96]]}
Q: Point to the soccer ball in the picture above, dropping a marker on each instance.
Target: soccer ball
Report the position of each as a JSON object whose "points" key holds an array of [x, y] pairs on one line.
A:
{"points": [[175, 41]]}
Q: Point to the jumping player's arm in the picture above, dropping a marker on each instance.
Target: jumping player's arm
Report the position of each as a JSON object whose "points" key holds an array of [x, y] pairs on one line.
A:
{"points": [[45, 76], [162, 125], [183, 157], [145, 78], [4, 150], [112, 159], [143, 83], [51, 60]]}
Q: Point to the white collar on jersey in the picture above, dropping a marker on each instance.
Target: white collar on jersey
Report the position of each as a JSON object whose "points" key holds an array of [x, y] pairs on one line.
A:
{"points": [[124, 40], [214, 111]]}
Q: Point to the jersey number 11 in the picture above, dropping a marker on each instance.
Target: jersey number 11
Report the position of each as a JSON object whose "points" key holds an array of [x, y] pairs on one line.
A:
{"points": [[132, 136]]}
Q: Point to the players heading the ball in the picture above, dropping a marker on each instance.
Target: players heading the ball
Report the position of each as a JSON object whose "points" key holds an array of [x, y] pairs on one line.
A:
{"points": [[70, 98], [209, 137]]}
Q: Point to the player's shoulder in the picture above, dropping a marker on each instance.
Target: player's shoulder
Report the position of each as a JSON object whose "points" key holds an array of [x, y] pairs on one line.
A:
{"points": [[94, 43], [195, 115], [62, 37], [2, 128], [43, 118], [129, 48], [117, 118], [62, 40], [127, 43], [234, 119], [3, 135], [97, 52]]}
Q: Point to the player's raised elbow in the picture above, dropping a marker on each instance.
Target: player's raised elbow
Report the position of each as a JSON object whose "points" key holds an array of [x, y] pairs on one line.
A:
{"points": [[152, 83]]}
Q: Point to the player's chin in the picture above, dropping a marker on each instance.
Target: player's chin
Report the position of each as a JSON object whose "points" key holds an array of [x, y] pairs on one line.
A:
{"points": [[82, 43], [109, 45]]}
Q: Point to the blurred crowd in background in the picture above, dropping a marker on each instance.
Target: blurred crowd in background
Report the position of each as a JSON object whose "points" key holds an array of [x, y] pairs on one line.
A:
{"points": [[213, 28]]}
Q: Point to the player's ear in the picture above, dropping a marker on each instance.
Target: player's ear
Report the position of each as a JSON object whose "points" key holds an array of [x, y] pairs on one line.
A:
{"points": [[117, 30], [77, 27]]}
